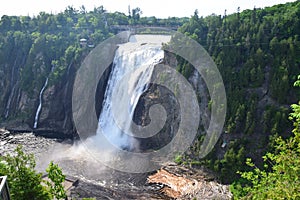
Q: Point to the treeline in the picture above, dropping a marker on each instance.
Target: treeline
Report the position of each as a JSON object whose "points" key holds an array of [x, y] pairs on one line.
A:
{"points": [[257, 52]]}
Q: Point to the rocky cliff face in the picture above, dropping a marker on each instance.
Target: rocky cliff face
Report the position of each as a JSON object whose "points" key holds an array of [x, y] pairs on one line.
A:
{"points": [[18, 105], [23, 75], [158, 94]]}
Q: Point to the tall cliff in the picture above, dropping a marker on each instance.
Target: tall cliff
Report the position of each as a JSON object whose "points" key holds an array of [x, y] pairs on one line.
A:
{"points": [[24, 71]]}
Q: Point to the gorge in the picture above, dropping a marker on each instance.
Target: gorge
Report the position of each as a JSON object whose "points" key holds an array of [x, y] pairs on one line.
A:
{"points": [[137, 59], [256, 52]]}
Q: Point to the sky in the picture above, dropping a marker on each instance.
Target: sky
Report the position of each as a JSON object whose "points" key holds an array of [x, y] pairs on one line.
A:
{"points": [[157, 8]]}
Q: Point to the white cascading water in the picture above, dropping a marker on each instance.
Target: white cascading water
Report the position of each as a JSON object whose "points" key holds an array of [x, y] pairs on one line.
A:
{"points": [[141, 61], [38, 110]]}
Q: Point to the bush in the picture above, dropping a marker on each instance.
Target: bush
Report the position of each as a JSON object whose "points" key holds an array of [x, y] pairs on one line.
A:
{"points": [[57, 178], [25, 183]]}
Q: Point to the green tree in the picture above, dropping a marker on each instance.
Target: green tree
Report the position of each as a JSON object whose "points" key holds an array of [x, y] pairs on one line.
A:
{"points": [[136, 14], [57, 178], [27, 184], [24, 182]]}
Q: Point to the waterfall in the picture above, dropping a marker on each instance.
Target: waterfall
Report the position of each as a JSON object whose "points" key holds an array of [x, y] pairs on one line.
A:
{"points": [[37, 113], [137, 63], [38, 110]]}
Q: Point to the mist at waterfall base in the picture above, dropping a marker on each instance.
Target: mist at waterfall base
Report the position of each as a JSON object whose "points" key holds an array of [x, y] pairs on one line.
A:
{"points": [[135, 61]]}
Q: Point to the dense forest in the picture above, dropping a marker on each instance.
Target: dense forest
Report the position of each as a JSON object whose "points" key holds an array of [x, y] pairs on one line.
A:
{"points": [[257, 52]]}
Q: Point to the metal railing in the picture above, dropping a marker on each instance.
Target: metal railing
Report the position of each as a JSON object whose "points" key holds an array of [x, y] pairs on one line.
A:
{"points": [[4, 191]]}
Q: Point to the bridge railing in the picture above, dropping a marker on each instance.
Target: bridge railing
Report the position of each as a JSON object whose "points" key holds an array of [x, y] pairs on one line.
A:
{"points": [[140, 29], [4, 190]]}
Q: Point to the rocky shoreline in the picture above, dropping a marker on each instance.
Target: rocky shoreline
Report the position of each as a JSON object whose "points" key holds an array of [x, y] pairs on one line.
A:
{"points": [[30, 142], [103, 183]]}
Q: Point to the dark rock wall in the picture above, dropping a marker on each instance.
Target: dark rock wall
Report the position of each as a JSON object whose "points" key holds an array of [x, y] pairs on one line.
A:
{"points": [[158, 94], [55, 119]]}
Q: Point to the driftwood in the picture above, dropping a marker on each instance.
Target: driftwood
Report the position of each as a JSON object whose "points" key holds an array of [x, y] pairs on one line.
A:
{"points": [[178, 186], [187, 185]]}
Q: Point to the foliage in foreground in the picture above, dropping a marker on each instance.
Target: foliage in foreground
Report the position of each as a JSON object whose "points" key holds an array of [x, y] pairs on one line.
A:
{"points": [[281, 177], [25, 183], [57, 178]]}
